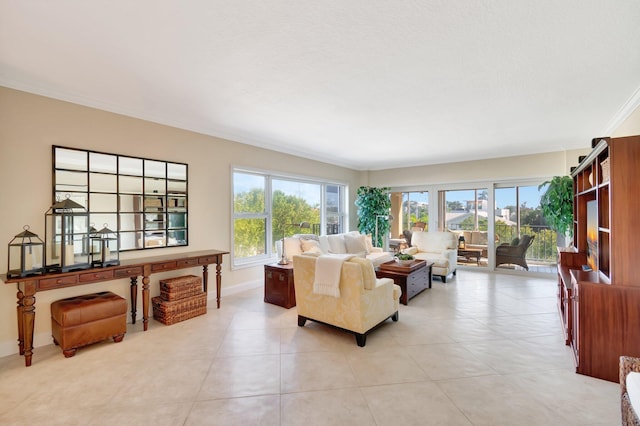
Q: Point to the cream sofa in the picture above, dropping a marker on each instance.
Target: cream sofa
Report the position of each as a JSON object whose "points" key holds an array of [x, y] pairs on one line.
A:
{"points": [[364, 301], [437, 247], [346, 243]]}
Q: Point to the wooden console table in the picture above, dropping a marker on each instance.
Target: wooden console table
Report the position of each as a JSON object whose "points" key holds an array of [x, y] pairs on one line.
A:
{"points": [[132, 269]]}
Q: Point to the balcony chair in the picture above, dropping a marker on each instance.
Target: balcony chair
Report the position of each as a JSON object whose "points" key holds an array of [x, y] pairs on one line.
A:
{"points": [[515, 252]]}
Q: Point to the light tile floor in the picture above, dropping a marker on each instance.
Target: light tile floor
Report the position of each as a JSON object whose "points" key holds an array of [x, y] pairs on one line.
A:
{"points": [[482, 349]]}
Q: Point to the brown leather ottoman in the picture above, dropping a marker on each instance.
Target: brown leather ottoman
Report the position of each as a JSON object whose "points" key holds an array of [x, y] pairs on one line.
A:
{"points": [[82, 320]]}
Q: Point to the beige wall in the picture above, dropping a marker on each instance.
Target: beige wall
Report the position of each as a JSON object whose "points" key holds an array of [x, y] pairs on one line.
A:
{"points": [[529, 167], [30, 125], [629, 127]]}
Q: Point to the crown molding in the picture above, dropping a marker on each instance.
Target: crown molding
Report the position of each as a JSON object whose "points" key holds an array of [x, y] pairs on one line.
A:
{"points": [[623, 113]]}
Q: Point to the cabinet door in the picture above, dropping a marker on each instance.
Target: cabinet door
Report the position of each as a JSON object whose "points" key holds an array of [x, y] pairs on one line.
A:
{"points": [[575, 326]]}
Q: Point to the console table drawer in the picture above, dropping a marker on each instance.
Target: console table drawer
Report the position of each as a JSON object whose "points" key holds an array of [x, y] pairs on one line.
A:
{"points": [[187, 262], [166, 266], [96, 276], [128, 272], [208, 259], [49, 283]]}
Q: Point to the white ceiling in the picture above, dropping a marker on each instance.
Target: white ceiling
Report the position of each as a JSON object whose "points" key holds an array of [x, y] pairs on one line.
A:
{"points": [[368, 84]]}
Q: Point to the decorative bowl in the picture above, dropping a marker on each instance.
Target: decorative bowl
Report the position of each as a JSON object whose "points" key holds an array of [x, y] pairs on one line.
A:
{"points": [[404, 262]]}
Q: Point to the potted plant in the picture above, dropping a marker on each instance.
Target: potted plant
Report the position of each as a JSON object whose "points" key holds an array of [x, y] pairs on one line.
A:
{"points": [[557, 207], [404, 258], [373, 212]]}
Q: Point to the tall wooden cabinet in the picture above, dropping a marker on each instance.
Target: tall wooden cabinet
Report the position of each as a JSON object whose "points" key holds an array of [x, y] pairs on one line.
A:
{"points": [[602, 307]]}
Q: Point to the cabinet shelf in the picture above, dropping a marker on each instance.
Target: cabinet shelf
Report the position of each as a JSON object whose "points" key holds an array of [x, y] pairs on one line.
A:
{"points": [[599, 307]]}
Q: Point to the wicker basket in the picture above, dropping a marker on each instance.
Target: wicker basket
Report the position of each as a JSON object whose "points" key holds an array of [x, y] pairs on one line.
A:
{"points": [[180, 287], [171, 312]]}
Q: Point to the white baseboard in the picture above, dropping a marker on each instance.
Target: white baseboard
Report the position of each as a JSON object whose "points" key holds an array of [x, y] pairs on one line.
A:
{"points": [[10, 347]]}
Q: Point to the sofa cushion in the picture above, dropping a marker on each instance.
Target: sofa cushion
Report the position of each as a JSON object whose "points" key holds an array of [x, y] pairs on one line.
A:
{"points": [[434, 242], [336, 244], [438, 260], [479, 237], [633, 389], [356, 244], [468, 236]]}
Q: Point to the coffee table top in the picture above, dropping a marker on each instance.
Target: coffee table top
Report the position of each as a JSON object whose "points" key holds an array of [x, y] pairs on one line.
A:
{"points": [[396, 267], [469, 251]]}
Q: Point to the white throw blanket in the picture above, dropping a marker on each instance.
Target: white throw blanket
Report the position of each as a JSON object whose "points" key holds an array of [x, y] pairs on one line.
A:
{"points": [[327, 278]]}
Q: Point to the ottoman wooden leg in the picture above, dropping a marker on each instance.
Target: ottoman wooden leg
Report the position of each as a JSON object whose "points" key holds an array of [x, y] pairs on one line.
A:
{"points": [[118, 338], [68, 353]]}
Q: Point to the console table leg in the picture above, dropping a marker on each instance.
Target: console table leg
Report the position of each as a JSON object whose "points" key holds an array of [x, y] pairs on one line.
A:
{"points": [[205, 277], [218, 282], [134, 298], [20, 309], [28, 319], [145, 302]]}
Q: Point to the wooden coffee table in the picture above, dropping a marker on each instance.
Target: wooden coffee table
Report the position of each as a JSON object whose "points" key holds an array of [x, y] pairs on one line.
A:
{"points": [[412, 278], [470, 253]]}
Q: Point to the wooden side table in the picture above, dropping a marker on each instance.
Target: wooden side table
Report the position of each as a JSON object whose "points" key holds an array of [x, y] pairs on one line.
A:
{"points": [[412, 279], [278, 285]]}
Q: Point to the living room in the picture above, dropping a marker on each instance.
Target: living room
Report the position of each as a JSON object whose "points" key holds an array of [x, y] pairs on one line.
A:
{"points": [[33, 119]]}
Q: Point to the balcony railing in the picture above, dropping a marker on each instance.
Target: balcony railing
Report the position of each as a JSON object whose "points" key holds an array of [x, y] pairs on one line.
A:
{"points": [[543, 248]]}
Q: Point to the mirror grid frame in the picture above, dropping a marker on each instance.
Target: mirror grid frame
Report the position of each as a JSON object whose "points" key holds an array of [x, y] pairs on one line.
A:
{"points": [[144, 200]]}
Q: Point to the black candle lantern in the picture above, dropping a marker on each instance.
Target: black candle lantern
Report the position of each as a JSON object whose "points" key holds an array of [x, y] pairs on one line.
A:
{"points": [[25, 254], [105, 248], [67, 237], [461, 242]]}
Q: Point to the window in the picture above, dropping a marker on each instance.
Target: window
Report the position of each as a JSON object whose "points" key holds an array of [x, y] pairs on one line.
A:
{"points": [[267, 207], [415, 210], [466, 210]]}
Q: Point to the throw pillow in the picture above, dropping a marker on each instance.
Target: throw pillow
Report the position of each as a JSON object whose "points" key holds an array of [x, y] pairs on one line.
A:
{"points": [[310, 246], [515, 241], [410, 250], [355, 243], [292, 247], [369, 241], [336, 244]]}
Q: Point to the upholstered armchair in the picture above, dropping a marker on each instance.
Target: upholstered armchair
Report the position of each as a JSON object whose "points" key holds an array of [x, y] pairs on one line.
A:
{"points": [[515, 252], [437, 247], [364, 301], [629, 390]]}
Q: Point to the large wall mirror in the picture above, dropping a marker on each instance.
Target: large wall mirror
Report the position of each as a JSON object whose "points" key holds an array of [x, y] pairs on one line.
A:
{"points": [[145, 200]]}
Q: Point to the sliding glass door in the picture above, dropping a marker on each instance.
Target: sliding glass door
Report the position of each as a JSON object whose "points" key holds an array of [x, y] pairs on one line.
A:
{"points": [[518, 214]]}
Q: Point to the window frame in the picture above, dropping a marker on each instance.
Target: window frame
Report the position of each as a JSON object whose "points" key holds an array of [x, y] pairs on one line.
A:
{"points": [[269, 175]]}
